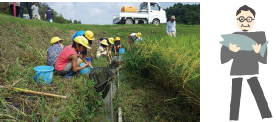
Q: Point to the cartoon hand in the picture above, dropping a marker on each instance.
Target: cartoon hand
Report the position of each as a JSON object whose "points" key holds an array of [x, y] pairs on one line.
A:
{"points": [[256, 47], [234, 47]]}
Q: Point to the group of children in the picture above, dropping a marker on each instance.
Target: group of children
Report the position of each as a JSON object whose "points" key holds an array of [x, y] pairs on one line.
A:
{"points": [[66, 60]]}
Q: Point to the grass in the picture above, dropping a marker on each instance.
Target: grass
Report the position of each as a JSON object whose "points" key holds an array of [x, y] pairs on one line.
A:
{"points": [[23, 46], [171, 63]]}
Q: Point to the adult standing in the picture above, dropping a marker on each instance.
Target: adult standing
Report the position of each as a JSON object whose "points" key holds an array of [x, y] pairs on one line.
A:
{"points": [[17, 7], [35, 11], [170, 27], [29, 4], [49, 15]]}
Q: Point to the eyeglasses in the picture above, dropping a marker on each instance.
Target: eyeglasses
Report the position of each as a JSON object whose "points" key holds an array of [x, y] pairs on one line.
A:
{"points": [[248, 19]]}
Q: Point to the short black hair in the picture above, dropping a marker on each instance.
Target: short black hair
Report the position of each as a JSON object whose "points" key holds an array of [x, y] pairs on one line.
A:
{"points": [[245, 8], [104, 46], [75, 44]]}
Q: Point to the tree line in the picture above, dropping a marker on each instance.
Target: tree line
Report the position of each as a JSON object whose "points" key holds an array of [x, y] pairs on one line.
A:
{"points": [[43, 7], [185, 14]]}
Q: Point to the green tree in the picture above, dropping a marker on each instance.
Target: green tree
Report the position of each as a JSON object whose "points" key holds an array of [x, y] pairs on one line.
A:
{"points": [[186, 14]]}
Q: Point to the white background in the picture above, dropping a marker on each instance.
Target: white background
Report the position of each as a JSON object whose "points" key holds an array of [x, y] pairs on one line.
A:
{"points": [[219, 17]]}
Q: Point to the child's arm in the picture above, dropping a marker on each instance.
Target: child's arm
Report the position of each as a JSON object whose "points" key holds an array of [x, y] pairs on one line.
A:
{"points": [[75, 64], [115, 49], [91, 50]]}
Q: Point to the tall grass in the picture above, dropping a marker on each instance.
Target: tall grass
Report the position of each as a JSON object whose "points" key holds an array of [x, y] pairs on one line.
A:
{"points": [[173, 62]]}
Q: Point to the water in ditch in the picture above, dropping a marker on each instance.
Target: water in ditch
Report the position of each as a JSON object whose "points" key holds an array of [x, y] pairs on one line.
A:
{"points": [[103, 115]]}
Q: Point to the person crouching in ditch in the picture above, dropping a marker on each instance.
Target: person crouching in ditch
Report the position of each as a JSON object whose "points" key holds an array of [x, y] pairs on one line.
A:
{"points": [[102, 50], [68, 60], [54, 51], [117, 45], [132, 38]]}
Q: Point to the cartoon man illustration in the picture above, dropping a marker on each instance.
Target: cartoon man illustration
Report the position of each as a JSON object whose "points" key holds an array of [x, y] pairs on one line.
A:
{"points": [[245, 61]]}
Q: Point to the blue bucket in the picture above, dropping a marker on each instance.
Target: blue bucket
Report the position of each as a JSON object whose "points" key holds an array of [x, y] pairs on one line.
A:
{"points": [[88, 59], [121, 50], [44, 74], [84, 70]]}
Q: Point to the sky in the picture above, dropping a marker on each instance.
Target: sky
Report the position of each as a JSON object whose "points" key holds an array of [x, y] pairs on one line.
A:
{"points": [[100, 13]]}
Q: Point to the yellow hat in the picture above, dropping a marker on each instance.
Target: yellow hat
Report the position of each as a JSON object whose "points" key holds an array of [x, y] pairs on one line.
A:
{"points": [[117, 39], [55, 39], [89, 35], [104, 42], [111, 40], [82, 40], [138, 34]]}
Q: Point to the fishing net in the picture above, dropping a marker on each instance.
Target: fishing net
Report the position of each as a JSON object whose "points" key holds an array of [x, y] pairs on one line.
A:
{"points": [[102, 76]]}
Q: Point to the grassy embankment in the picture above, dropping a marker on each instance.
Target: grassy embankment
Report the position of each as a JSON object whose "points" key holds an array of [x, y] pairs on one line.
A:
{"points": [[23, 46], [173, 64]]}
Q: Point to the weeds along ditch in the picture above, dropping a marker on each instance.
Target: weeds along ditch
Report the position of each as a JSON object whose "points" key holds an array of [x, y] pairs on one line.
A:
{"points": [[173, 62]]}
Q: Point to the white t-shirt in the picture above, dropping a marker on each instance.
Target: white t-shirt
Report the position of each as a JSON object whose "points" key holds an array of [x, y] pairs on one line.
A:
{"points": [[35, 10], [133, 35], [99, 51]]}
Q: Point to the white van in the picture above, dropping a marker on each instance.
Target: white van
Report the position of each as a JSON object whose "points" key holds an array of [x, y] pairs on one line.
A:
{"points": [[149, 12]]}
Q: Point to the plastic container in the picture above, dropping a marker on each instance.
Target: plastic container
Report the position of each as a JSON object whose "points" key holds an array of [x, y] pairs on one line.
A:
{"points": [[128, 9], [44, 74], [84, 70], [121, 50], [88, 59]]}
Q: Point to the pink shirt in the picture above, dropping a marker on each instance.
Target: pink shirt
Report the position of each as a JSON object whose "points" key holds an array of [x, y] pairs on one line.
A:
{"points": [[62, 59]]}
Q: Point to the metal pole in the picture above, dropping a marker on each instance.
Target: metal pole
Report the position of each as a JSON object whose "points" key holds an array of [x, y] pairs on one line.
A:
{"points": [[118, 77], [119, 114], [111, 108]]}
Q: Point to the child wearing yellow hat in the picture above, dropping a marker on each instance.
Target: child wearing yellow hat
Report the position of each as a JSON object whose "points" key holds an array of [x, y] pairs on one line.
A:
{"points": [[89, 35], [102, 50], [54, 51], [68, 60], [117, 45], [132, 37], [110, 42]]}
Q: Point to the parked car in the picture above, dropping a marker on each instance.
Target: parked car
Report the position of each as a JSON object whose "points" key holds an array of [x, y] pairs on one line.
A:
{"points": [[149, 12]]}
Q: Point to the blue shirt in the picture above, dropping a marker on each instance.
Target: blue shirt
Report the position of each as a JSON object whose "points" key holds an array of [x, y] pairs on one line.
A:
{"points": [[49, 14], [53, 53], [170, 26], [79, 33]]}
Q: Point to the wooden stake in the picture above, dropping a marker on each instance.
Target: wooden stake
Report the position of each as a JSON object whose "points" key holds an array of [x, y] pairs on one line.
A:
{"points": [[36, 92]]}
